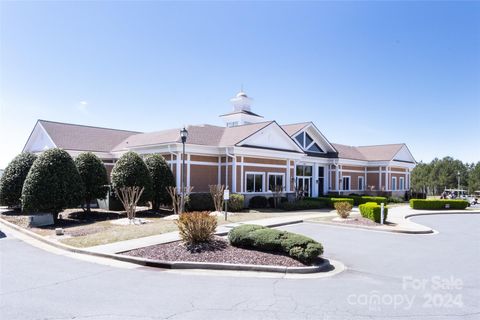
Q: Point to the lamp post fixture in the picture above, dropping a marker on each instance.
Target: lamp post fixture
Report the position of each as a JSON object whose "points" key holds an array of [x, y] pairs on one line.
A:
{"points": [[183, 136]]}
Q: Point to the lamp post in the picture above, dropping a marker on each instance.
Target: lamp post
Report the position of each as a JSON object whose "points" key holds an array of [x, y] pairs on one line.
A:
{"points": [[183, 136]]}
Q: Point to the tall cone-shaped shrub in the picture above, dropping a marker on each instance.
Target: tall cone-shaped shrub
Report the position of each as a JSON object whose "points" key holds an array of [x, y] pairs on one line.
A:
{"points": [[11, 183]]}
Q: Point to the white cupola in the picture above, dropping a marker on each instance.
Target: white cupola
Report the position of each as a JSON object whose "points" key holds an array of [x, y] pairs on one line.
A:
{"points": [[242, 113]]}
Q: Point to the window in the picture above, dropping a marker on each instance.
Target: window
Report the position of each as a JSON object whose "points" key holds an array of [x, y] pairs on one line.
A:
{"points": [[307, 143], [254, 182], [401, 182], [232, 124], [346, 183], [275, 182], [360, 183], [304, 171], [394, 183]]}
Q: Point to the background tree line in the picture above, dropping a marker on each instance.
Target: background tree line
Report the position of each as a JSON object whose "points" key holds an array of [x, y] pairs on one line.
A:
{"points": [[432, 178]]}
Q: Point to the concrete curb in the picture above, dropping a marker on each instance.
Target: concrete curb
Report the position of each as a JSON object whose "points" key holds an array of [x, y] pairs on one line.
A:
{"points": [[429, 231], [323, 267]]}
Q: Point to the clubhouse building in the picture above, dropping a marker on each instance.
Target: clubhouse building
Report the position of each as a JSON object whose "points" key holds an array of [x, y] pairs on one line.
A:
{"points": [[249, 154]]}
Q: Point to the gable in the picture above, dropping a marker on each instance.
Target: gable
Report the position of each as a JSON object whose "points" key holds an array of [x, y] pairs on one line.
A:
{"points": [[404, 155], [271, 137], [39, 140], [311, 140]]}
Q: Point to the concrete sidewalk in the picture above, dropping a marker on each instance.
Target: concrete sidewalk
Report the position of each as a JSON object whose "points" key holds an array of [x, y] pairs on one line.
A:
{"points": [[126, 245]]}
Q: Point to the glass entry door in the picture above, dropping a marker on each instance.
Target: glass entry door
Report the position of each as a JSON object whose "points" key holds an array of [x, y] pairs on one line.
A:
{"points": [[303, 184]]}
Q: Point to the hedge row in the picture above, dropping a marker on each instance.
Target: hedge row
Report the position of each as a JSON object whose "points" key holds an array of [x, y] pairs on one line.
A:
{"points": [[372, 211], [330, 202], [305, 204], [203, 201], [295, 245], [440, 204]]}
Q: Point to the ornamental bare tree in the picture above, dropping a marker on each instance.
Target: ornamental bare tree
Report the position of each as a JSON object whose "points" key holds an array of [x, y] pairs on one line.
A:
{"points": [[216, 191]]}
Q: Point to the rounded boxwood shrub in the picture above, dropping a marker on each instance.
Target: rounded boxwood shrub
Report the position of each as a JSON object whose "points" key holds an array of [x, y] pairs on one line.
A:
{"points": [[52, 184], [258, 202], [94, 177], [257, 237], [11, 183], [131, 171], [239, 236], [162, 178], [236, 202]]}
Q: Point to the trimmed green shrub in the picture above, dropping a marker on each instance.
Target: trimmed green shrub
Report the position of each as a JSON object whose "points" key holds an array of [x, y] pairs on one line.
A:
{"points": [[295, 245], [131, 171], [162, 177], [236, 202], [52, 184], [200, 201], [13, 177], [305, 204], [438, 204], [377, 200], [258, 202], [395, 200], [372, 211], [94, 177], [239, 236], [331, 201]]}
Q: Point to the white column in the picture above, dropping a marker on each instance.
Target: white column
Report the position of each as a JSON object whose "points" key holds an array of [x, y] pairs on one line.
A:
{"points": [[314, 180], [287, 177], [380, 178], [365, 184], [219, 170], [188, 170], [178, 167], [337, 177], [241, 175], [234, 174], [387, 179]]}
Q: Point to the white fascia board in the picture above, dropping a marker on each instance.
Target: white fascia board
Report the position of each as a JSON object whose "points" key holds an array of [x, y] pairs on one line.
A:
{"points": [[101, 155], [394, 163], [37, 131], [317, 160], [265, 153], [174, 147], [352, 162]]}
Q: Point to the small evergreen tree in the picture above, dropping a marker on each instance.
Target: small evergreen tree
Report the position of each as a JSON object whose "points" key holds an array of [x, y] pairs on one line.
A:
{"points": [[131, 171], [52, 184], [94, 177], [11, 183], [162, 178]]}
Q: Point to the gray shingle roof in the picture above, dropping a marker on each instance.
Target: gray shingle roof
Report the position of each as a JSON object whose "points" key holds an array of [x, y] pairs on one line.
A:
{"points": [[85, 138], [384, 152], [293, 128], [197, 134]]}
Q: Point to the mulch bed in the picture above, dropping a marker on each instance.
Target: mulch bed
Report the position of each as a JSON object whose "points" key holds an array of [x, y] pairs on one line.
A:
{"points": [[360, 221], [219, 251]]}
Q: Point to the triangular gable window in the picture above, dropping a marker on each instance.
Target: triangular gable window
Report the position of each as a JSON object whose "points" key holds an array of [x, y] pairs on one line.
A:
{"points": [[300, 139], [315, 148], [307, 143]]}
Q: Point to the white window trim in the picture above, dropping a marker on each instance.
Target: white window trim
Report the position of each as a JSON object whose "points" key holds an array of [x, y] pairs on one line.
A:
{"points": [[306, 147], [275, 174], [255, 173], [349, 183], [394, 184], [363, 183], [401, 183]]}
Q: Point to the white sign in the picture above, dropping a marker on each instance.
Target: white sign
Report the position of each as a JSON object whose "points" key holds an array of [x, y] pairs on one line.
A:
{"points": [[226, 194]]}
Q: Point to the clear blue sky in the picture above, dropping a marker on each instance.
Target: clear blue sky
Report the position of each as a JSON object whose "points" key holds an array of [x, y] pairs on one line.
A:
{"points": [[365, 73]]}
